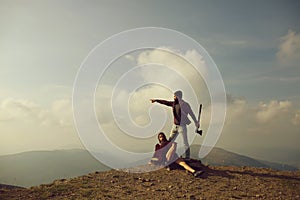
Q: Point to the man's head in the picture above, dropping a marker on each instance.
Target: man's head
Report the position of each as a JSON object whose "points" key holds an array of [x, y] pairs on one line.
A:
{"points": [[178, 94]]}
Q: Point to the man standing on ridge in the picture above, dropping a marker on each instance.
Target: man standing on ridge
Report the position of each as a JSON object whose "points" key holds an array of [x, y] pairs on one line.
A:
{"points": [[181, 110]]}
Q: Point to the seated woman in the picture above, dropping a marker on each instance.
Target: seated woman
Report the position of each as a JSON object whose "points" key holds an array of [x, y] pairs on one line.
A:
{"points": [[165, 154]]}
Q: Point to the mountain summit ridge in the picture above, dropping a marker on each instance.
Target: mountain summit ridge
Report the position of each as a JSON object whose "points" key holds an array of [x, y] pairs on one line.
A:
{"points": [[42, 167], [218, 182]]}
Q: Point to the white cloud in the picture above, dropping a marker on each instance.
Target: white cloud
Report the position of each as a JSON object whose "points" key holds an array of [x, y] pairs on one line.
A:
{"points": [[25, 110], [272, 110], [130, 57], [165, 57], [236, 108], [137, 103], [20, 109], [289, 49], [186, 73], [62, 111], [26, 126], [296, 118], [252, 129]]}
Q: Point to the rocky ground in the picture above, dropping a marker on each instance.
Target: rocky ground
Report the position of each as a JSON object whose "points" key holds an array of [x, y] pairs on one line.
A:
{"points": [[215, 183]]}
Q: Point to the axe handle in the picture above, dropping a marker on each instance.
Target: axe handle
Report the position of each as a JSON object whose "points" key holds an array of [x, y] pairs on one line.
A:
{"points": [[200, 108]]}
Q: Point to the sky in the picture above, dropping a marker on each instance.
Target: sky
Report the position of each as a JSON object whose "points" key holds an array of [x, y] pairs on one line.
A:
{"points": [[255, 44]]}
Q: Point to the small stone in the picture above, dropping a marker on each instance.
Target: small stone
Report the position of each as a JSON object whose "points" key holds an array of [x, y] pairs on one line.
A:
{"points": [[151, 184], [234, 188]]}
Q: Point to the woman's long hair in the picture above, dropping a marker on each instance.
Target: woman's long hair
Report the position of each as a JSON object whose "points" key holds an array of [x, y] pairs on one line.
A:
{"points": [[163, 135]]}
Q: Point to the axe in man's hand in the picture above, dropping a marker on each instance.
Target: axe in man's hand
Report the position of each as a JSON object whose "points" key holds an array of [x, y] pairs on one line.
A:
{"points": [[198, 130]]}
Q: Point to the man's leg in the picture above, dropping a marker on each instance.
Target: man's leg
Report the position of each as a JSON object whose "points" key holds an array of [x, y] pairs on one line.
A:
{"points": [[183, 132], [174, 133]]}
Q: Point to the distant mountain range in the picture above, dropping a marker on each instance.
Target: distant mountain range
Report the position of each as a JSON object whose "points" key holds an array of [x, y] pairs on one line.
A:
{"points": [[38, 167], [221, 157]]}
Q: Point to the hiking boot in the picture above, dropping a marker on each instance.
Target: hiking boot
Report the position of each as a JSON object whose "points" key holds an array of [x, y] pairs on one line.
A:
{"points": [[198, 173]]}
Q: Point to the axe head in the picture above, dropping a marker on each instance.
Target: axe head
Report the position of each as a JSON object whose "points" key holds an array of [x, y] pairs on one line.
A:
{"points": [[199, 131]]}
